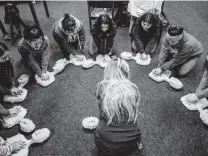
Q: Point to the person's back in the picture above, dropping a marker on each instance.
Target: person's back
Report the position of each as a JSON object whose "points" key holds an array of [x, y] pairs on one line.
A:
{"points": [[118, 132]]}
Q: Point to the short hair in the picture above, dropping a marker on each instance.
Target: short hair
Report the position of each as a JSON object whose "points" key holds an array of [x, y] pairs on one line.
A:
{"points": [[175, 30], [68, 22], [3, 48], [32, 31]]}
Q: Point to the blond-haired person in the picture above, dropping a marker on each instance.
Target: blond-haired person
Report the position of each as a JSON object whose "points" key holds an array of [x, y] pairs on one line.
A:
{"points": [[118, 132]]}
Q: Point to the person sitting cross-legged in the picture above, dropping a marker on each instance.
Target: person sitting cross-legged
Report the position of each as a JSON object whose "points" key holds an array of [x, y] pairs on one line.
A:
{"points": [[118, 132]]}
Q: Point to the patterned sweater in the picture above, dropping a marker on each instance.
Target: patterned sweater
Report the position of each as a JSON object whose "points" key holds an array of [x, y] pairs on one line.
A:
{"points": [[30, 55], [79, 31], [187, 47]]}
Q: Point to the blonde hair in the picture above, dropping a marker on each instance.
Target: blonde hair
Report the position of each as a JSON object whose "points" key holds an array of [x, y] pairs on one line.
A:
{"points": [[120, 97]]}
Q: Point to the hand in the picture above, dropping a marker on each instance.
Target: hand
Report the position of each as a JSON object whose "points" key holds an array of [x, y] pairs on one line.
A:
{"points": [[18, 145], [157, 71], [44, 77], [192, 98], [79, 57], [16, 91], [14, 111], [144, 56]]}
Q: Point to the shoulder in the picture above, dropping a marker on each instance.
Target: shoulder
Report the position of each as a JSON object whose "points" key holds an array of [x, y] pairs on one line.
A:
{"points": [[190, 40]]}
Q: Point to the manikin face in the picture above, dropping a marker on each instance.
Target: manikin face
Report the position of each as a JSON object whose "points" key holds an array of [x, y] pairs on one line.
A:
{"points": [[4, 57], [146, 26], [36, 43], [173, 40], [104, 27], [41, 135]]}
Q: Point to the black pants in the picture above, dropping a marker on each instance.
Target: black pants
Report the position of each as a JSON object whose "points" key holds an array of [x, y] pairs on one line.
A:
{"points": [[106, 148]]}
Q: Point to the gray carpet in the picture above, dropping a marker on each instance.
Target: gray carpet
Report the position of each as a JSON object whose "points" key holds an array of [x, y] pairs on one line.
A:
{"points": [[168, 128]]}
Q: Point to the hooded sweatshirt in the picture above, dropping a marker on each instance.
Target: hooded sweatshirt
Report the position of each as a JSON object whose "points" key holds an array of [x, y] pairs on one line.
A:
{"points": [[34, 57], [79, 31], [187, 47]]}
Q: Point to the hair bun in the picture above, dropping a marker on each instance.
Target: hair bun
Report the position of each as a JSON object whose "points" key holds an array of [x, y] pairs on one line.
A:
{"points": [[66, 15]]}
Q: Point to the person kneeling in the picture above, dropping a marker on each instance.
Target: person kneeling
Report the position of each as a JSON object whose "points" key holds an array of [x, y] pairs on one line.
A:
{"points": [[69, 33], [103, 34], [145, 35], [179, 52], [34, 50]]}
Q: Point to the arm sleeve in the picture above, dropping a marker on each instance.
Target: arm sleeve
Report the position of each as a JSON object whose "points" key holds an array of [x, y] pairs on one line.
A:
{"points": [[27, 57], [111, 36], [95, 35], [45, 56], [82, 36], [3, 111], [4, 91], [153, 41], [202, 90], [5, 148], [180, 58], [164, 52], [137, 40]]}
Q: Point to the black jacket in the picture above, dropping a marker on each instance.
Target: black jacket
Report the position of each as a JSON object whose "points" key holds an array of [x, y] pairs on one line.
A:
{"points": [[99, 35], [6, 78], [145, 41]]}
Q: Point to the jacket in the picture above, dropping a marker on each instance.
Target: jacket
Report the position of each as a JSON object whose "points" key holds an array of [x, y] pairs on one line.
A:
{"points": [[97, 35], [6, 78], [144, 41], [187, 47], [79, 31], [34, 57]]}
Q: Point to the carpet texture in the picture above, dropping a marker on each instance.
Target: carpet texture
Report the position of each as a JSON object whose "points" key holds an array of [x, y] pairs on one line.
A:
{"points": [[168, 128]]}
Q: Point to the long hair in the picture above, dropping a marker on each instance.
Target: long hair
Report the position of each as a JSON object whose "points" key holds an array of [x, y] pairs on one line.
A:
{"points": [[120, 97], [149, 18], [104, 19]]}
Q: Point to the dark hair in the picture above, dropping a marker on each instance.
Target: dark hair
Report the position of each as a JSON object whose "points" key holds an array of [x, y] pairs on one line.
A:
{"points": [[33, 32], [3, 48], [104, 19], [68, 22], [149, 18], [175, 30]]}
